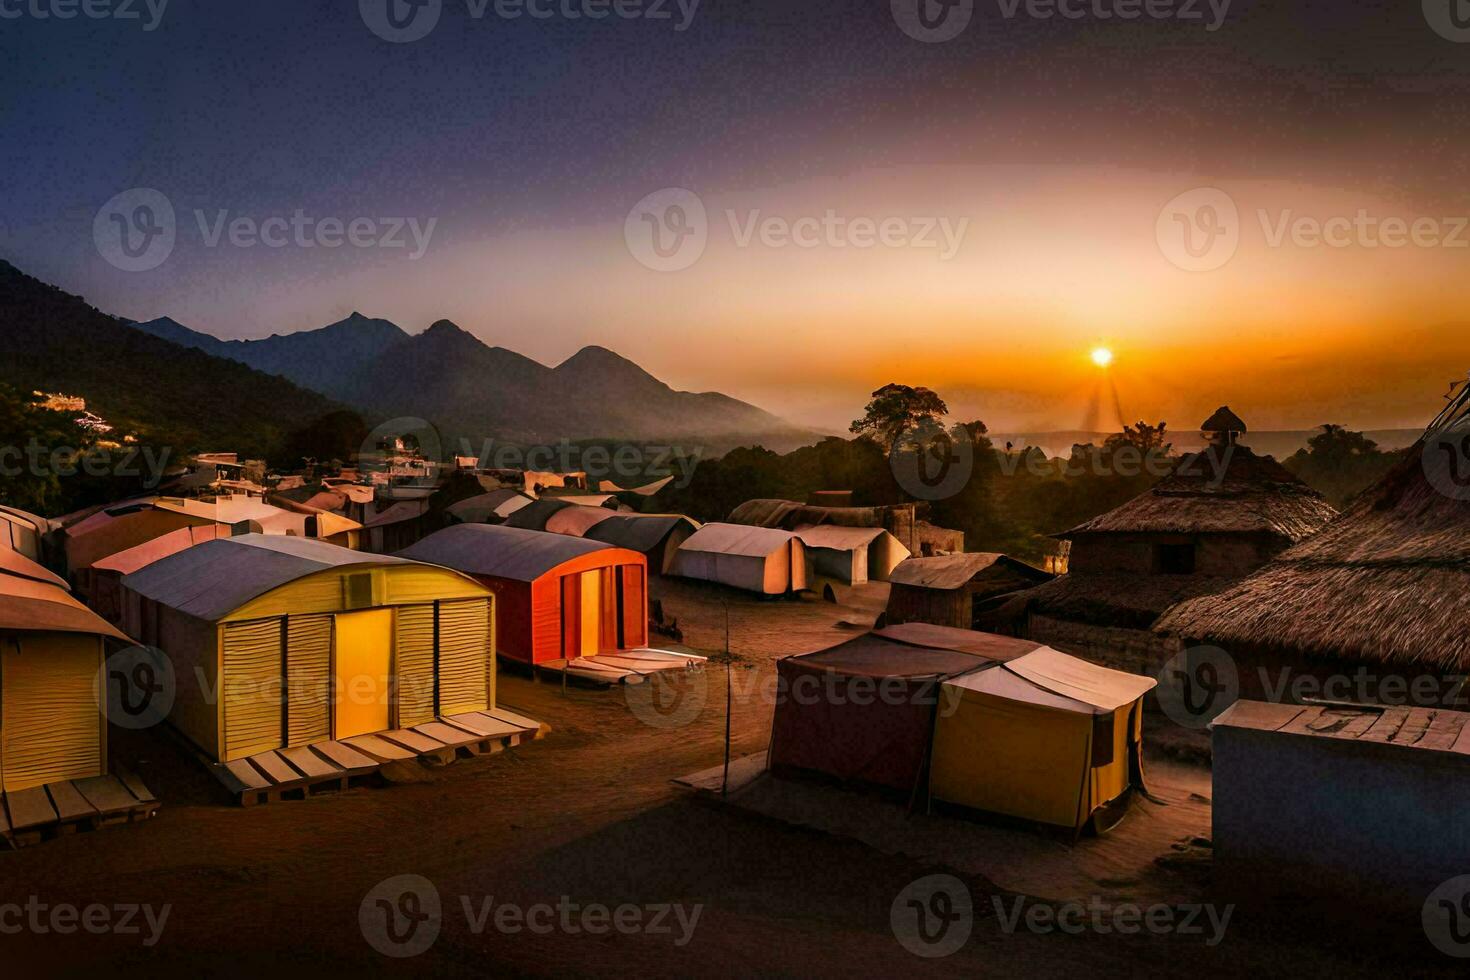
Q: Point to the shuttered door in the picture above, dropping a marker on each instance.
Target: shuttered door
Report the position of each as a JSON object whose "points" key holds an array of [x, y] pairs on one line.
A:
{"points": [[465, 652], [414, 650], [250, 689], [52, 726], [308, 679]]}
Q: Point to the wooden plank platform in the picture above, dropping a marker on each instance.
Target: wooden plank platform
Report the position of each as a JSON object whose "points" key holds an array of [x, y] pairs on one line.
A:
{"points": [[622, 666], [30, 808], [31, 815], [379, 748], [272, 775]]}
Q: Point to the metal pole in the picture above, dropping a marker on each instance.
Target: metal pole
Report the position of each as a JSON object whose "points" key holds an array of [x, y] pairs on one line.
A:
{"points": [[725, 783]]}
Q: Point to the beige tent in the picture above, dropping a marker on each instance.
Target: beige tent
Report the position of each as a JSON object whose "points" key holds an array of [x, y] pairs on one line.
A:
{"points": [[758, 559], [52, 728], [1060, 738], [22, 532], [853, 555]]}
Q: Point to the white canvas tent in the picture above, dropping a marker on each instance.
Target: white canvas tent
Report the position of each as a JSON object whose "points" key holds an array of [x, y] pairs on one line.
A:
{"points": [[758, 559], [852, 555]]}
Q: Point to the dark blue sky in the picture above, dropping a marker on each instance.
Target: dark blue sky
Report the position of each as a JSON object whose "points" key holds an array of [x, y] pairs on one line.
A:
{"points": [[513, 132]]}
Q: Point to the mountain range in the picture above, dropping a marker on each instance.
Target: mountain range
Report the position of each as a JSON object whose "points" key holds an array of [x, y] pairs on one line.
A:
{"points": [[168, 395], [472, 391]]}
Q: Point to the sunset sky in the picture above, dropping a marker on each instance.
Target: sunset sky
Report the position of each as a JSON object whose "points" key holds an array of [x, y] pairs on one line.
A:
{"points": [[1055, 145]]}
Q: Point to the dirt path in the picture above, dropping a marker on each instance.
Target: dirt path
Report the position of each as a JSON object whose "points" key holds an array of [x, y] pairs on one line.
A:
{"points": [[587, 815]]}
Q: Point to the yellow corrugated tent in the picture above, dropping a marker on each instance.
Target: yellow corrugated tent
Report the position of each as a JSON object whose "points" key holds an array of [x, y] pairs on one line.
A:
{"points": [[52, 725], [1044, 737], [279, 642]]}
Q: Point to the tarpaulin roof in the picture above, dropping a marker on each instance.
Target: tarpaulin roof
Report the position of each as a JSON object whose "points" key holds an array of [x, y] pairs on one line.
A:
{"points": [[211, 580], [870, 655], [496, 503], [1088, 687], [737, 539], [14, 563], [533, 516], [953, 571], [15, 514], [837, 537], [131, 559], [991, 646], [637, 532], [577, 520], [499, 550], [34, 606], [404, 510]]}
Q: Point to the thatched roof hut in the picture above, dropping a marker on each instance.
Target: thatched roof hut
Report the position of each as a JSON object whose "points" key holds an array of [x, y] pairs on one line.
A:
{"points": [[1217, 516], [1388, 582], [1219, 490]]}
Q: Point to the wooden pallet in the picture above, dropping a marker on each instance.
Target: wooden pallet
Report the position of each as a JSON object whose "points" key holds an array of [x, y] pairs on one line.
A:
{"points": [[298, 772], [31, 815], [622, 666]]}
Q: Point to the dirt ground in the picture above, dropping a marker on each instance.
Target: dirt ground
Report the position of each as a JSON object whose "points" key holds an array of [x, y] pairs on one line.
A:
{"points": [[586, 815]]}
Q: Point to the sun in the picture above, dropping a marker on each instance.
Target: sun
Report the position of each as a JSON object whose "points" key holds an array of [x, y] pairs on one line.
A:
{"points": [[1102, 357]]}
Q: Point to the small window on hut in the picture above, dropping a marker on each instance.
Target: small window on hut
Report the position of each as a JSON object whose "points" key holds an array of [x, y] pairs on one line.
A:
{"points": [[1173, 559], [359, 590]]}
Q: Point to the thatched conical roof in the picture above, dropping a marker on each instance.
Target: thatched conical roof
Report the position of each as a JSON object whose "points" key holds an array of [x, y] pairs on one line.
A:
{"points": [[1389, 581], [1224, 420], [1219, 490]]}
